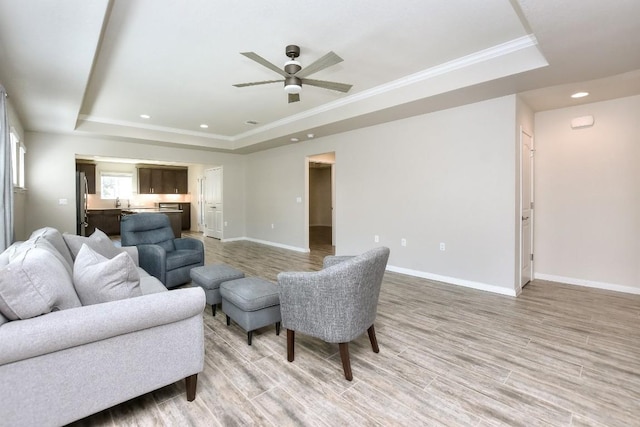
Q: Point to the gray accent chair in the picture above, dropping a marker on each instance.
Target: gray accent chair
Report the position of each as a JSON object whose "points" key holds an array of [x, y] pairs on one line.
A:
{"points": [[337, 304], [161, 254]]}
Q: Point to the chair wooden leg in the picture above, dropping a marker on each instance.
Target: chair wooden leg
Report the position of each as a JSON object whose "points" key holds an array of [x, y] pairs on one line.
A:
{"points": [[191, 383], [228, 320], [372, 337], [249, 336], [277, 328], [213, 309], [291, 335], [346, 363]]}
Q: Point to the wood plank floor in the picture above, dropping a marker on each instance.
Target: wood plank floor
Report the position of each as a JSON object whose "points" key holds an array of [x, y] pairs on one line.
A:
{"points": [[557, 355]]}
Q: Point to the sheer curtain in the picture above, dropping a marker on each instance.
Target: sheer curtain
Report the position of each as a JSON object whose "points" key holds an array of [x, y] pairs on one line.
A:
{"points": [[6, 203]]}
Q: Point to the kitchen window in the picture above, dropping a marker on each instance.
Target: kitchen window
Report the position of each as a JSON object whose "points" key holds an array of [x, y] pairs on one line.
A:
{"points": [[116, 185]]}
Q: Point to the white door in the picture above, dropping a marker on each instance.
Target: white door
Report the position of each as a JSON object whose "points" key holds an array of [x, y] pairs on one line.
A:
{"points": [[213, 203], [526, 207]]}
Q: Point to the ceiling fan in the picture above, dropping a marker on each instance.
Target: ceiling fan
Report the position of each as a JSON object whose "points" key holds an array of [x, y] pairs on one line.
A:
{"points": [[294, 75]]}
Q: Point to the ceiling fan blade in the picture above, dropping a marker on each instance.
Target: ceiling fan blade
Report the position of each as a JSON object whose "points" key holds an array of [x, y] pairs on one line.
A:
{"points": [[294, 97], [260, 60], [326, 61], [257, 83], [340, 87]]}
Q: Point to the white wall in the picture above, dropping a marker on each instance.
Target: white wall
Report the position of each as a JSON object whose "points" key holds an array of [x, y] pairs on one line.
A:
{"points": [[51, 175], [448, 176], [445, 177], [588, 196]]}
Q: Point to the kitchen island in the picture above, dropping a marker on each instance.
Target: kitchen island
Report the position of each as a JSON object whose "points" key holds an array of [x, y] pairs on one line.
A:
{"points": [[175, 217]]}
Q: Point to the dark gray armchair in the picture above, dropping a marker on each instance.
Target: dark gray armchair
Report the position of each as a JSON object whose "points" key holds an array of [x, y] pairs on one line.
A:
{"points": [[162, 255], [337, 304]]}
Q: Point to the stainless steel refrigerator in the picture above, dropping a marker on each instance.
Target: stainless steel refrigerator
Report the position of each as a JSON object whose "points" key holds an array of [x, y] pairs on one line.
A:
{"points": [[82, 189]]}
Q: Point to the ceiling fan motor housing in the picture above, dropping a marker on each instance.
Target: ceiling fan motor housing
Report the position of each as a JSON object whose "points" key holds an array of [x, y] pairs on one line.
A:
{"points": [[292, 51], [292, 66]]}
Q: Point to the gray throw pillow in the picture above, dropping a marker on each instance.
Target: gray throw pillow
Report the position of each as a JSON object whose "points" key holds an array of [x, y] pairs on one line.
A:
{"points": [[98, 279], [98, 241], [35, 282]]}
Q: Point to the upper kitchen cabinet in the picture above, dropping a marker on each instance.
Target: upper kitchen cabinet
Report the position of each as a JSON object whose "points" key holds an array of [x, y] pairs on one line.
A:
{"points": [[150, 181], [157, 180], [174, 181], [89, 170]]}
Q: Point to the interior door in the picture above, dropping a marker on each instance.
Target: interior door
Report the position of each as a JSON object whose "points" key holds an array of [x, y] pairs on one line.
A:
{"points": [[213, 203], [526, 208]]}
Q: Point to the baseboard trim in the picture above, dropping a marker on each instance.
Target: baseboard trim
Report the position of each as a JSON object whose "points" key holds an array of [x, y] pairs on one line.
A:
{"points": [[588, 283], [266, 242], [454, 281]]}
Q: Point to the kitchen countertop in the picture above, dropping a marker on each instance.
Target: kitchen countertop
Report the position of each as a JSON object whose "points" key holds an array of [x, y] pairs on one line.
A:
{"points": [[103, 209], [150, 210]]}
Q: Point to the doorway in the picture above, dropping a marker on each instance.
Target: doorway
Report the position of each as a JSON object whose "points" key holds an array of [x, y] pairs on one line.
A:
{"points": [[526, 207], [321, 200]]}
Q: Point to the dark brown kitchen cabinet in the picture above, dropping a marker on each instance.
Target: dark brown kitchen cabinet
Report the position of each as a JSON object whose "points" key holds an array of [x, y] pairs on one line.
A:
{"points": [[107, 220], [169, 181], [89, 170], [144, 181], [174, 181], [162, 181], [186, 215]]}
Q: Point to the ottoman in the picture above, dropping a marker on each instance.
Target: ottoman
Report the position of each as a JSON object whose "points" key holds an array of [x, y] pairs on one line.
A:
{"points": [[252, 303], [209, 278]]}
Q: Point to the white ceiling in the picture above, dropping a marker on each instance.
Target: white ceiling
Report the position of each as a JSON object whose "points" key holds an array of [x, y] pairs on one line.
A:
{"points": [[94, 67]]}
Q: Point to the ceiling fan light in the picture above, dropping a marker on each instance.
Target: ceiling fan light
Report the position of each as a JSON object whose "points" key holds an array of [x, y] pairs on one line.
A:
{"points": [[292, 85]]}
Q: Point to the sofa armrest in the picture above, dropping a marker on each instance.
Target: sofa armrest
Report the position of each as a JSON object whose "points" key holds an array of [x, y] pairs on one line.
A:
{"points": [[91, 323], [188, 243], [153, 259], [133, 253]]}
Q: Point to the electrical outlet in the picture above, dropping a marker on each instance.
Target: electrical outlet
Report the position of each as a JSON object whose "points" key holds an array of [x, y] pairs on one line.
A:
{"points": [[442, 246], [403, 242], [273, 226], [376, 238], [226, 223], [62, 202]]}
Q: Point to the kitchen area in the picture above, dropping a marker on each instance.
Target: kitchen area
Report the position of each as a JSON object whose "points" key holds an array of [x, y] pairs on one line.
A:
{"points": [[106, 191]]}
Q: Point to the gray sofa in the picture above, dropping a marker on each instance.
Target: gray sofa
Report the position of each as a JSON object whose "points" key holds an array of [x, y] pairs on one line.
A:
{"points": [[79, 359]]}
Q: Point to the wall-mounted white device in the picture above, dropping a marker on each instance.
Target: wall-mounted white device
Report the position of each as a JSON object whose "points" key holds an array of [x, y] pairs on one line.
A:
{"points": [[582, 122]]}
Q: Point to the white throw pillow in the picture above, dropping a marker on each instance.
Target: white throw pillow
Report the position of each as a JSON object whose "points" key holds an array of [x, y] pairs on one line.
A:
{"points": [[98, 279], [35, 282], [98, 241]]}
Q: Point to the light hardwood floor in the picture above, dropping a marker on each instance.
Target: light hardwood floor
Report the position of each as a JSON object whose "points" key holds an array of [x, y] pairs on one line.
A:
{"points": [[557, 355]]}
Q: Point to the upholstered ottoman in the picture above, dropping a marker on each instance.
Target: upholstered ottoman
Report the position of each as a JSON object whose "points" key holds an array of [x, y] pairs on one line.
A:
{"points": [[209, 278], [252, 303]]}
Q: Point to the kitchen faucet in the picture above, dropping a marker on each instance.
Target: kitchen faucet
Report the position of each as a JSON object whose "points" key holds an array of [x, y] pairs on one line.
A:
{"points": [[118, 202]]}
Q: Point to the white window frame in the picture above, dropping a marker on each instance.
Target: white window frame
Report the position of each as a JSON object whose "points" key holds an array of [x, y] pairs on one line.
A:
{"points": [[118, 192], [18, 151]]}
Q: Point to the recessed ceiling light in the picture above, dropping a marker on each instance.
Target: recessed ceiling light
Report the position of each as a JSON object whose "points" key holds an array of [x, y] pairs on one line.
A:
{"points": [[145, 116], [295, 139], [204, 126], [580, 94], [310, 135]]}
